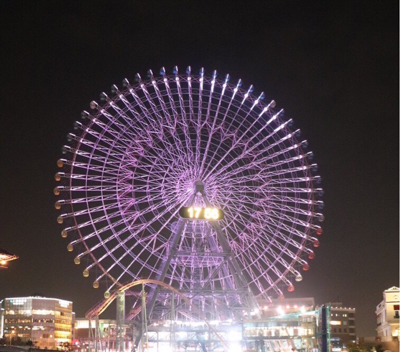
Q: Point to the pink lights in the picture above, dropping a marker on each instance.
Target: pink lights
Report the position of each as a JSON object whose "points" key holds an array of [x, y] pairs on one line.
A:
{"points": [[141, 155]]}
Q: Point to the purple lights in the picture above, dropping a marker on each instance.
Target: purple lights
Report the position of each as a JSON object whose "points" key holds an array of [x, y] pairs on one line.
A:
{"points": [[174, 141]]}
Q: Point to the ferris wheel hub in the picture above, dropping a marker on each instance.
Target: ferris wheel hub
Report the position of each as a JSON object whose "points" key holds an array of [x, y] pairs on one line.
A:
{"points": [[199, 186]]}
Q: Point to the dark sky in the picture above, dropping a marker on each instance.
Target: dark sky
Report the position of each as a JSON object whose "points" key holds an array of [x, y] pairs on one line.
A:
{"points": [[333, 66]]}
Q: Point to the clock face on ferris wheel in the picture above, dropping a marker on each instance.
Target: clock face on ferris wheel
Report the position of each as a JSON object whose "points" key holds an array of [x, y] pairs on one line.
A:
{"points": [[201, 213], [135, 162]]}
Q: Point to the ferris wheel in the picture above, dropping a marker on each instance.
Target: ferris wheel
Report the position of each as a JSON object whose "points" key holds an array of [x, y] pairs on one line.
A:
{"points": [[192, 180]]}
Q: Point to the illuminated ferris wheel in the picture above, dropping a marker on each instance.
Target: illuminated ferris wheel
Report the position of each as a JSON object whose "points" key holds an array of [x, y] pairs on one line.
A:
{"points": [[194, 181]]}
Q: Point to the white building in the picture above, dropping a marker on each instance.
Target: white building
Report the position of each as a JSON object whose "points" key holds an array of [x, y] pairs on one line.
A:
{"points": [[47, 322], [387, 313]]}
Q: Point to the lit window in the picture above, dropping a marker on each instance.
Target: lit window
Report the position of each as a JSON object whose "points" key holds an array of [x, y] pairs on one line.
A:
{"points": [[336, 322]]}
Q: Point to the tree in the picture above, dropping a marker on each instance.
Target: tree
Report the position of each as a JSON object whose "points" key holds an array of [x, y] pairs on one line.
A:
{"points": [[357, 347]]}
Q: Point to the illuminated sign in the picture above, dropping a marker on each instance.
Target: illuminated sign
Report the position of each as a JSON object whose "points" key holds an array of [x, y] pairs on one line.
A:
{"points": [[201, 213], [336, 322], [62, 303]]}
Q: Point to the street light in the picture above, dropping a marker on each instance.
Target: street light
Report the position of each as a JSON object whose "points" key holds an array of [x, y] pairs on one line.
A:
{"points": [[11, 332]]}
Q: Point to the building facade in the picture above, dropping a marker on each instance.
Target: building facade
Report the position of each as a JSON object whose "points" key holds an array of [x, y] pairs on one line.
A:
{"points": [[342, 325], [387, 313], [284, 325], [47, 322], [85, 332]]}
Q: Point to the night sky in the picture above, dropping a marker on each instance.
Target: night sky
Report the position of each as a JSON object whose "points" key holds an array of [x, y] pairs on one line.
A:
{"points": [[332, 65]]}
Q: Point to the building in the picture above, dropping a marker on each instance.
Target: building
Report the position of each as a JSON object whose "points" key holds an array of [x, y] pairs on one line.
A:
{"points": [[85, 333], [387, 313], [284, 325], [342, 325], [47, 322]]}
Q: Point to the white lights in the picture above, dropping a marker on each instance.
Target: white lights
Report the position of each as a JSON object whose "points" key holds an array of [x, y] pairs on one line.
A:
{"points": [[336, 322], [63, 303], [42, 312], [18, 301], [254, 312]]}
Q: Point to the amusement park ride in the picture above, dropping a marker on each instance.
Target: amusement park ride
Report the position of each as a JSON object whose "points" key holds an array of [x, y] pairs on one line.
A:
{"points": [[195, 190], [5, 258]]}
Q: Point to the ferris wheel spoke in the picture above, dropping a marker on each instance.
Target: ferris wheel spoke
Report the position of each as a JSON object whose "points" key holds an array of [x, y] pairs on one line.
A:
{"points": [[287, 218], [173, 204], [238, 142], [260, 163], [289, 229], [301, 170], [159, 163], [199, 120], [137, 117], [183, 119], [121, 140], [104, 208], [88, 200], [98, 232], [293, 210], [177, 143], [144, 246], [170, 123], [99, 217], [286, 250], [125, 270], [177, 118], [263, 243], [214, 120], [295, 179], [236, 209], [216, 113], [238, 106], [284, 237], [265, 110], [264, 276], [150, 120], [96, 158], [248, 152], [294, 200], [190, 96], [261, 228], [153, 106], [124, 132], [110, 251], [269, 264]]}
